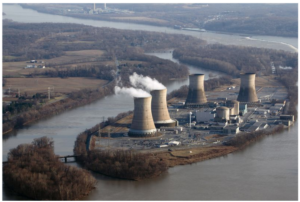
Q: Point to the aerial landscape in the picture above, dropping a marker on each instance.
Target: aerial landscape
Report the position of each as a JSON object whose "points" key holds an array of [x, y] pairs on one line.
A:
{"points": [[161, 101]]}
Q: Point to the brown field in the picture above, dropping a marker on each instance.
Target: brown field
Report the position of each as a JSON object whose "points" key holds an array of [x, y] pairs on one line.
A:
{"points": [[120, 126], [40, 85], [16, 69], [140, 18]]}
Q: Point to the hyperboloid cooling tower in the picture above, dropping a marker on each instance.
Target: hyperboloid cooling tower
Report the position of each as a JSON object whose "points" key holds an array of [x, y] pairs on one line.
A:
{"points": [[142, 123], [196, 93], [247, 90], [159, 108]]}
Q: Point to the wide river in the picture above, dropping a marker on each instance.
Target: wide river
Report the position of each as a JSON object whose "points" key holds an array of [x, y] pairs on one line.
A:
{"points": [[266, 170]]}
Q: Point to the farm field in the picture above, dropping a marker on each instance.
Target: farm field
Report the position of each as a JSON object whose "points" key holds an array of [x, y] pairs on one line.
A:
{"points": [[71, 58], [40, 85]]}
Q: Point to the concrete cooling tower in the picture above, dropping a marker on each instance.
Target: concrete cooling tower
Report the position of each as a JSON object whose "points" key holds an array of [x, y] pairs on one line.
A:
{"points": [[159, 109], [196, 94], [142, 123], [247, 90]]}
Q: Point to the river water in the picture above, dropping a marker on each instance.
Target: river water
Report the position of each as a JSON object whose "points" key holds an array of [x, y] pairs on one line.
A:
{"points": [[266, 170]]}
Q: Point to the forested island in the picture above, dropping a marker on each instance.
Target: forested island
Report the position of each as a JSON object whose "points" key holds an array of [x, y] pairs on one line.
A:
{"points": [[34, 171], [255, 19]]}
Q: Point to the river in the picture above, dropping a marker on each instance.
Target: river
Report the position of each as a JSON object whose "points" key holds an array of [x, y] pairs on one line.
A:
{"points": [[266, 170]]}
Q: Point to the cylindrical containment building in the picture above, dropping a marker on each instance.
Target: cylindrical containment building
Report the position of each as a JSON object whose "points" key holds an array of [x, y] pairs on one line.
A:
{"points": [[142, 123], [196, 94], [234, 105], [247, 89], [159, 109], [222, 114]]}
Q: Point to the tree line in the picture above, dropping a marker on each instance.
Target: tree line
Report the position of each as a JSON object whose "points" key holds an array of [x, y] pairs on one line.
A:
{"points": [[261, 19], [75, 99], [117, 163], [34, 171], [233, 60]]}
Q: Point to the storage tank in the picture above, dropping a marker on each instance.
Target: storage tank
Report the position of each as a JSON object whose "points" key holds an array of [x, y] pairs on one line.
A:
{"points": [[142, 123], [233, 104], [159, 109], [222, 113], [196, 94], [247, 89]]}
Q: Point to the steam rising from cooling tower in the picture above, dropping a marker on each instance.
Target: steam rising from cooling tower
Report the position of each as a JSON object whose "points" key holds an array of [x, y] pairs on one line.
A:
{"points": [[133, 92], [196, 94], [142, 122], [247, 90], [159, 108], [145, 82]]}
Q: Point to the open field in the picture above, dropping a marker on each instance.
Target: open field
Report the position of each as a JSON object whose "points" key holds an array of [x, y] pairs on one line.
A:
{"points": [[140, 18], [40, 85], [16, 69]]}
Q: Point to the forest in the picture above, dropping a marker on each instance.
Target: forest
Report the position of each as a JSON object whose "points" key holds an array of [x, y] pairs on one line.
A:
{"points": [[34, 171], [233, 60], [259, 19]]}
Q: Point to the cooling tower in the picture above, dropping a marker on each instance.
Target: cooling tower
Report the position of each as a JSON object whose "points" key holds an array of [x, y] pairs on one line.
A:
{"points": [[196, 93], [247, 90], [142, 123], [159, 109], [222, 114], [234, 105]]}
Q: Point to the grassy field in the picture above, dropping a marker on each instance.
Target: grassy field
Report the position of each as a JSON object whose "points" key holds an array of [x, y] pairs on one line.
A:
{"points": [[40, 85]]}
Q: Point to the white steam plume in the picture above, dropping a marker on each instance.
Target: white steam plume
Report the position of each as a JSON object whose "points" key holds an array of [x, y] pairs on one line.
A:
{"points": [[133, 92], [145, 82]]}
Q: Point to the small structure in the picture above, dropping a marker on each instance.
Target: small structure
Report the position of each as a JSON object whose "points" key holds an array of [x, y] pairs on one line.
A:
{"points": [[231, 130], [243, 109], [287, 117], [174, 143]]}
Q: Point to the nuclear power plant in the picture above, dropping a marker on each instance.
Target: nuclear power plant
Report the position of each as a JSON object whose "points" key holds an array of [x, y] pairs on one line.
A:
{"points": [[159, 109], [142, 122], [205, 119], [196, 95], [247, 89]]}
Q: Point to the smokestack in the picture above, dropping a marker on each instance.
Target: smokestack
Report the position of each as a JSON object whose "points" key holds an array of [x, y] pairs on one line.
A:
{"points": [[104, 6], [142, 122], [196, 93], [159, 109], [94, 6], [247, 90]]}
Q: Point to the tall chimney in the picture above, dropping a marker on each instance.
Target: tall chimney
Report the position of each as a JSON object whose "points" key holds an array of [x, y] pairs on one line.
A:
{"points": [[196, 93], [104, 6], [247, 89], [142, 122], [159, 109], [94, 6]]}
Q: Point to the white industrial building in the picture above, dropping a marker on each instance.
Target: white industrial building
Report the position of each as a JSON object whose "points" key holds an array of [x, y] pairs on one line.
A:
{"points": [[205, 116]]}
